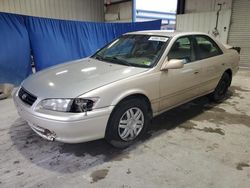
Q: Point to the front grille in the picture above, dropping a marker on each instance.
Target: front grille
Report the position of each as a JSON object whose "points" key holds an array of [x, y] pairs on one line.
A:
{"points": [[26, 97]]}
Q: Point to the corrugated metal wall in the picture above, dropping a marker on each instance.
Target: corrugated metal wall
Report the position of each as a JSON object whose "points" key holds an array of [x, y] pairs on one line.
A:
{"points": [[87, 10], [205, 22], [121, 12], [239, 34], [192, 6]]}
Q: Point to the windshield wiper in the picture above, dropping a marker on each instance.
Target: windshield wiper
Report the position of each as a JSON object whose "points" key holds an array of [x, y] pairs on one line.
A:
{"points": [[117, 60], [111, 59], [98, 57]]}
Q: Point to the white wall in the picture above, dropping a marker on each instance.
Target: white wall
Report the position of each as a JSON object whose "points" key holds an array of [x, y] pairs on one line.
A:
{"points": [[192, 6], [205, 22], [121, 12], [86, 10], [200, 15]]}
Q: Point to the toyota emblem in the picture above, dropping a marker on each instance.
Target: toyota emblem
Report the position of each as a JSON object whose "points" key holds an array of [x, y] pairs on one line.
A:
{"points": [[24, 96]]}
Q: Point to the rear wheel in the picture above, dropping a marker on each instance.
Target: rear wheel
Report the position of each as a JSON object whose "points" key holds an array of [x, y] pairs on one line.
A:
{"points": [[127, 123], [221, 89]]}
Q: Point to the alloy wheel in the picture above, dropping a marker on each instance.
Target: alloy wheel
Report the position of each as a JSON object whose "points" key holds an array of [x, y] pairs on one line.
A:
{"points": [[130, 124]]}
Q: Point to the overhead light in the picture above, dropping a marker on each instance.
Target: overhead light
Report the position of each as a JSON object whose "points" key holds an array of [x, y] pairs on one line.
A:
{"points": [[51, 84], [126, 71], [62, 72], [88, 69]]}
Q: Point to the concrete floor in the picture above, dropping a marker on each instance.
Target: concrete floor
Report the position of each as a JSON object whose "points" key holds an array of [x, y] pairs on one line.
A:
{"points": [[199, 144]]}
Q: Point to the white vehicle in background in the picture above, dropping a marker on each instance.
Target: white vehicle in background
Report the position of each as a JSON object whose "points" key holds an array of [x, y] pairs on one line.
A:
{"points": [[116, 92]]}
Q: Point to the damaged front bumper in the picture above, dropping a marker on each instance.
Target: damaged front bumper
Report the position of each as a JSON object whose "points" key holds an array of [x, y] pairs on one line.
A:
{"points": [[64, 126]]}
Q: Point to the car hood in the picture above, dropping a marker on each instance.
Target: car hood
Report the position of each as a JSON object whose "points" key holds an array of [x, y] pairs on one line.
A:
{"points": [[72, 79]]}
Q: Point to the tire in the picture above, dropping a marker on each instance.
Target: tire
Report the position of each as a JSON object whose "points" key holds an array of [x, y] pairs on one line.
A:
{"points": [[127, 123], [221, 89]]}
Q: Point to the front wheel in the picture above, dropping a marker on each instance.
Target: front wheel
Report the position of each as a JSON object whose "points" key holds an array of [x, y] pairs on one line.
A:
{"points": [[127, 123], [221, 89]]}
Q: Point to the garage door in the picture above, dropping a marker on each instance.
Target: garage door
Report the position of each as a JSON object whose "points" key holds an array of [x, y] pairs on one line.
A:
{"points": [[239, 34]]}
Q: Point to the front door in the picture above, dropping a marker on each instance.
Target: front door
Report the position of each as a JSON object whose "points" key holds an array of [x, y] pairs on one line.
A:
{"points": [[180, 85]]}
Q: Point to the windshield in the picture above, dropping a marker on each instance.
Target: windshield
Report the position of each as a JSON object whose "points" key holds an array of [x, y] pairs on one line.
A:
{"points": [[133, 50]]}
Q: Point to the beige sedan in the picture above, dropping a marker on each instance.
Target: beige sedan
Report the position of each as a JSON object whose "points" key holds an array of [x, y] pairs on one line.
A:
{"points": [[114, 93]]}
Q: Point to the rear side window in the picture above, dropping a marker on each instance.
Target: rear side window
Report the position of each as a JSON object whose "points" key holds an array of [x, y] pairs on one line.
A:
{"points": [[182, 49], [206, 47]]}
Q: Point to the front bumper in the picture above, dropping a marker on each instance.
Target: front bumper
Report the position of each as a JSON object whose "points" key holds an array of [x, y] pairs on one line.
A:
{"points": [[64, 127]]}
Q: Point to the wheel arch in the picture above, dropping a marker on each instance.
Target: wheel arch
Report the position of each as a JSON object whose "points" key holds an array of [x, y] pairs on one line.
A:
{"points": [[135, 95], [230, 72], [131, 95]]}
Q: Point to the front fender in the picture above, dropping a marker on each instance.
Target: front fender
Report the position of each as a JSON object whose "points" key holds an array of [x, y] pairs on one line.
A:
{"points": [[128, 93], [112, 94]]}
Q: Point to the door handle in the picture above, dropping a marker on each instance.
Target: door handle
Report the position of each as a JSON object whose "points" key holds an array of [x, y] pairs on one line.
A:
{"points": [[196, 72]]}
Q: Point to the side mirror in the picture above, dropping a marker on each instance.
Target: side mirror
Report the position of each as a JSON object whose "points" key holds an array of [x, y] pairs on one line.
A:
{"points": [[173, 64]]}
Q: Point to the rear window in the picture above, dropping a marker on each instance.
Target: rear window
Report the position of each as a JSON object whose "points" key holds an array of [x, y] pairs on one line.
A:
{"points": [[206, 47]]}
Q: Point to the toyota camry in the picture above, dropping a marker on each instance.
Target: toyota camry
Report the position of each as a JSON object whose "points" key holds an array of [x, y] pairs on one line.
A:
{"points": [[117, 91]]}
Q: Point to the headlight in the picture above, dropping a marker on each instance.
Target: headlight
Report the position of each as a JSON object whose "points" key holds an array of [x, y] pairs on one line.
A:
{"points": [[69, 105], [83, 105], [62, 105]]}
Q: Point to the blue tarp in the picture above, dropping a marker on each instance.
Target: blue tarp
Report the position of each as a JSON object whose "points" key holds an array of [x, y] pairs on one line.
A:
{"points": [[56, 41], [52, 41], [14, 49]]}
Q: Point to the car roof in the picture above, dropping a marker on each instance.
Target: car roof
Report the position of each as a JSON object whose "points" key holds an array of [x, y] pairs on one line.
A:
{"points": [[164, 33]]}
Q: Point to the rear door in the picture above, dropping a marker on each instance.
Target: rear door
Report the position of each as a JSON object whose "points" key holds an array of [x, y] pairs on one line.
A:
{"points": [[212, 62]]}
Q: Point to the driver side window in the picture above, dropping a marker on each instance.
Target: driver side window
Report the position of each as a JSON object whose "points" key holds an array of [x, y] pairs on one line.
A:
{"points": [[182, 49]]}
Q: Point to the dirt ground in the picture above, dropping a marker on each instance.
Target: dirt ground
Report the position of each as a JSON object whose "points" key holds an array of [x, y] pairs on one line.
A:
{"points": [[199, 144]]}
